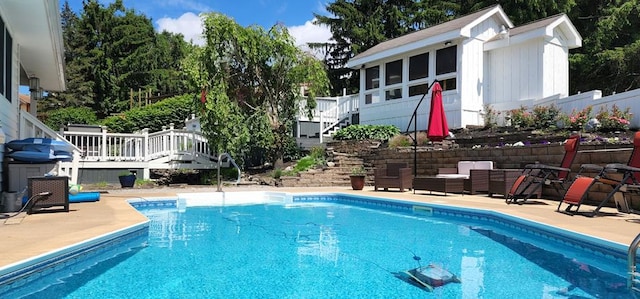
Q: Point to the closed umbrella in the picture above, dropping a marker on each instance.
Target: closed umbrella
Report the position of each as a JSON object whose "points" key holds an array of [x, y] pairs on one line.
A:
{"points": [[437, 129]]}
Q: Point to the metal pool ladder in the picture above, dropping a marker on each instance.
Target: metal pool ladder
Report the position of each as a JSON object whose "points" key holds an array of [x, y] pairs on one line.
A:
{"points": [[633, 282], [220, 164]]}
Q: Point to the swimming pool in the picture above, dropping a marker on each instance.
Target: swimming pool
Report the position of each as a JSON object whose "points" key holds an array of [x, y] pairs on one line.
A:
{"points": [[276, 245]]}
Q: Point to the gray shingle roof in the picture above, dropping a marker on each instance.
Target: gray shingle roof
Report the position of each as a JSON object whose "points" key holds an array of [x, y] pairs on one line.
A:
{"points": [[455, 24], [534, 25]]}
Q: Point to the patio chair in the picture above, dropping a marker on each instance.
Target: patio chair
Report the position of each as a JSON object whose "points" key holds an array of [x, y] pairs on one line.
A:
{"points": [[393, 175], [622, 178], [534, 176]]}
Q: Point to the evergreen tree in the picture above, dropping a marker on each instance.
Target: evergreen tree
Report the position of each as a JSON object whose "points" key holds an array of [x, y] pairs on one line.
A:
{"points": [[79, 89], [111, 51], [609, 59]]}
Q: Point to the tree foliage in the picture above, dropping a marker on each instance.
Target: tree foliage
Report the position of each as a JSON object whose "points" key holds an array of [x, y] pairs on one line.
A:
{"points": [[110, 51], [252, 77], [609, 59], [70, 115]]}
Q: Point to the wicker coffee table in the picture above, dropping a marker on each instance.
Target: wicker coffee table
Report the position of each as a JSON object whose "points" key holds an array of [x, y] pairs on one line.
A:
{"points": [[445, 185]]}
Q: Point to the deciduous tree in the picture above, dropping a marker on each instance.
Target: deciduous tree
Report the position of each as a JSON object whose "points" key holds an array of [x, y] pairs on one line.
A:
{"points": [[253, 79]]}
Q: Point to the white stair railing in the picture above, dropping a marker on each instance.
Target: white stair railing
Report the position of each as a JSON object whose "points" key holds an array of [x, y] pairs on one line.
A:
{"points": [[31, 127], [343, 109]]}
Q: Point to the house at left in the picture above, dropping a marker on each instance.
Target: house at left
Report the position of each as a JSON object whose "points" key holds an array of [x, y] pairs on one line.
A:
{"points": [[31, 55]]}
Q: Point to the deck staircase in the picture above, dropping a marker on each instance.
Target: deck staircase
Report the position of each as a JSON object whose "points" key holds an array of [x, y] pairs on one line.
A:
{"points": [[330, 115]]}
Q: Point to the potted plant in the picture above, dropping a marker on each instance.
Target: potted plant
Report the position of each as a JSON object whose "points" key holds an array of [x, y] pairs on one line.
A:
{"points": [[127, 179], [357, 177]]}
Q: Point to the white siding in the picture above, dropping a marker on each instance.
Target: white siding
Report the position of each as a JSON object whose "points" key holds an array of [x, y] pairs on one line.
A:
{"points": [[398, 113], [515, 73], [556, 63], [471, 74], [9, 110]]}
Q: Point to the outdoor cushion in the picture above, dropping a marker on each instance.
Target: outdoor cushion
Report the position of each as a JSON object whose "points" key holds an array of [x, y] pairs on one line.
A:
{"points": [[465, 167]]}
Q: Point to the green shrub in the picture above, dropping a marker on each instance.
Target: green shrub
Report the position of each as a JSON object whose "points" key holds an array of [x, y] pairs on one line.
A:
{"points": [[490, 116], [363, 132], [400, 140], [229, 173], [71, 115], [520, 118], [317, 152], [154, 117], [616, 120], [304, 164], [546, 117], [577, 120]]}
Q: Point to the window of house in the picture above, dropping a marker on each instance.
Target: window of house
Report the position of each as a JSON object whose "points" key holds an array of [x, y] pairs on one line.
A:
{"points": [[418, 74], [8, 46], [372, 83], [393, 72], [446, 60], [393, 94], [418, 66], [448, 84], [372, 77], [418, 90], [393, 79], [446, 67], [372, 97], [3, 66]]}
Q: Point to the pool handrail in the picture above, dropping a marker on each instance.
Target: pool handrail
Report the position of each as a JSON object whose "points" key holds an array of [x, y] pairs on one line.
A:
{"points": [[631, 263], [233, 163]]}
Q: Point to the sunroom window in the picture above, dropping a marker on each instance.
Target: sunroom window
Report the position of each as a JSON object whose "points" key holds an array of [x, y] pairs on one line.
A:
{"points": [[418, 74], [372, 77], [372, 83], [446, 67], [393, 80], [419, 67]]}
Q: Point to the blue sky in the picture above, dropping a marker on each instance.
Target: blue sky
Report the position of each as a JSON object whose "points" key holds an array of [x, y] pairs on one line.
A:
{"points": [[181, 16]]}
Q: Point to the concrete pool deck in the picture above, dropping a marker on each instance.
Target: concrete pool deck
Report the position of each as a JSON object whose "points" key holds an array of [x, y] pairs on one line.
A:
{"points": [[27, 236]]}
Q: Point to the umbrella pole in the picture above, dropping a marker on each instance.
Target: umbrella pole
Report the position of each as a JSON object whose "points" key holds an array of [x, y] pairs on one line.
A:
{"points": [[414, 118]]}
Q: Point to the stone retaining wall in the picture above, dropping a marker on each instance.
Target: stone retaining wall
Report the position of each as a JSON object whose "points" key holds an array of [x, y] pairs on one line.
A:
{"points": [[428, 161]]}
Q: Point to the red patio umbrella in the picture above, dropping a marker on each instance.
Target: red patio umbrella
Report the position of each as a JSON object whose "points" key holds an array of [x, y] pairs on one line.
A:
{"points": [[437, 129]]}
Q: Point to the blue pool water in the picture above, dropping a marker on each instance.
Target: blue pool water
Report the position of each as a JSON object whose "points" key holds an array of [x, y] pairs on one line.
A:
{"points": [[329, 250]]}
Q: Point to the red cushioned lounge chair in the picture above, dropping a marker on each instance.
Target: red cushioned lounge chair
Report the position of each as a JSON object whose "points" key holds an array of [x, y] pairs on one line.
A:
{"points": [[622, 178], [535, 175]]}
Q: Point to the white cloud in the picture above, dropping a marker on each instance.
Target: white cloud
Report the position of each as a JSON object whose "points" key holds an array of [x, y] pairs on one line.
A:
{"points": [[310, 33], [188, 24]]}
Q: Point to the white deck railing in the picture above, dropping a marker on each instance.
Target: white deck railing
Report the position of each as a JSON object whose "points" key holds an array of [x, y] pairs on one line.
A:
{"points": [[141, 146]]}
